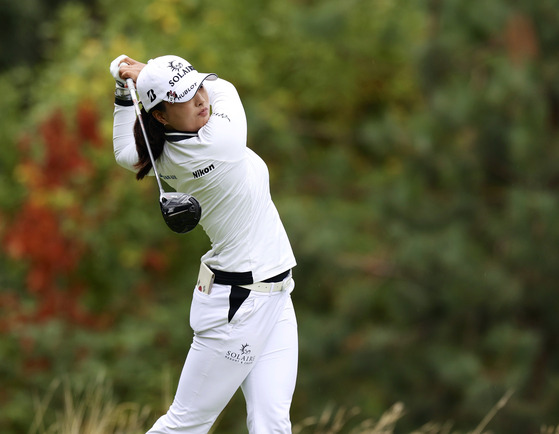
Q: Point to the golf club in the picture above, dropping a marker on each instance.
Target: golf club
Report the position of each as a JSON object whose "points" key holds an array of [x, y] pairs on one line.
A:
{"points": [[181, 211]]}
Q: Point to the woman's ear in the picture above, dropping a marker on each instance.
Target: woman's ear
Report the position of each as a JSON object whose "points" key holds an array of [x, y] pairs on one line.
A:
{"points": [[160, 116]]}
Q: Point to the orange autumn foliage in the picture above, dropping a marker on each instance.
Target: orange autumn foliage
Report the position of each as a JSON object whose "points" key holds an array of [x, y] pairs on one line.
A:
{"points": [[35, 235]]}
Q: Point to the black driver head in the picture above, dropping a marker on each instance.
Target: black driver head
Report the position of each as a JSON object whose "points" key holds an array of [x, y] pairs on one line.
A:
{"points": [[180, 211]]}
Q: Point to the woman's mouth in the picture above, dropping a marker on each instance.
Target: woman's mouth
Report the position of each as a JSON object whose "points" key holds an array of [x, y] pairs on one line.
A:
{"points": [[204, 112]]}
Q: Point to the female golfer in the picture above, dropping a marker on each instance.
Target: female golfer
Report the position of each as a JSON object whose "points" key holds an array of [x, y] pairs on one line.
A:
{"points": [[245, 332]]}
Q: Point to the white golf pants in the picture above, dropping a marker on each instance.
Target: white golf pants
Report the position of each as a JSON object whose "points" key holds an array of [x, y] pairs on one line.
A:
{"points": [[256, 350]]}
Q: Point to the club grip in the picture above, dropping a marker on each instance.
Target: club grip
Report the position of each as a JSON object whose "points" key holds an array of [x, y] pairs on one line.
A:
{"points": [[132, 88], [130, 84]]}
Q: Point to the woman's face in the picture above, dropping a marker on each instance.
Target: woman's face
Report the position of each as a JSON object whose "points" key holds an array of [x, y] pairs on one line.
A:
{"points": [[186, 116]]}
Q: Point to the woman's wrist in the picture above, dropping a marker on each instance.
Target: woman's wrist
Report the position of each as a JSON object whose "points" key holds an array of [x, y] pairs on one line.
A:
{"points": [[122, 93]]}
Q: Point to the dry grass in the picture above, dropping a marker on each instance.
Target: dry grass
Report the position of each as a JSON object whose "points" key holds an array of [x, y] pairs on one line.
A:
{"points": [[88, 410], [336, 421], [91, 409], [333, 421]]}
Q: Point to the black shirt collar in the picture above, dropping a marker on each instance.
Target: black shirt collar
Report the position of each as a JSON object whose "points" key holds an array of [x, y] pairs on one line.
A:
{"points": [[177, 136]]}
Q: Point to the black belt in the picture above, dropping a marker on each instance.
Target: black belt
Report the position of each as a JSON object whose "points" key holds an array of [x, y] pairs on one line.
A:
{"points": [[229, 278]]}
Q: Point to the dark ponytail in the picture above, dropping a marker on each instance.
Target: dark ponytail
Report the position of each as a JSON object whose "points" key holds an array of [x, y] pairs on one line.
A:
{"points": [[155, 131]]}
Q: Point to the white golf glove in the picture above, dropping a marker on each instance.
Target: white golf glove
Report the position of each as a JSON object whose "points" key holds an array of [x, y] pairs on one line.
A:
{"points": [[121, 91]]}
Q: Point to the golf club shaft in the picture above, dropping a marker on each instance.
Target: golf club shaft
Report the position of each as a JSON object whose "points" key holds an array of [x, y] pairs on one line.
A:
{"points": [[132, 89]]}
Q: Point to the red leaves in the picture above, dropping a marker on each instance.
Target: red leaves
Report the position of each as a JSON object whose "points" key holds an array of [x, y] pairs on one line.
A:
{"points": [[36, 238], [155, 261], [521, 41], [87, 120], [36, 234], [63, 158]]}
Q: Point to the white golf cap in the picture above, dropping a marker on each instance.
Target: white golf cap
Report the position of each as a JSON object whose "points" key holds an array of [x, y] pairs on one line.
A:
{"points": [[169, 78]]}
